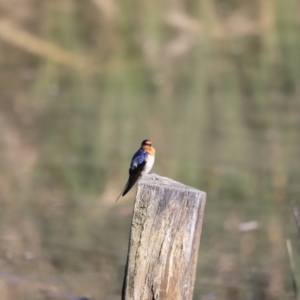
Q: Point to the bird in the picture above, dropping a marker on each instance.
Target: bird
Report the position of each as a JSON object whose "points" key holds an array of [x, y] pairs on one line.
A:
{"points": [[141, 163]]}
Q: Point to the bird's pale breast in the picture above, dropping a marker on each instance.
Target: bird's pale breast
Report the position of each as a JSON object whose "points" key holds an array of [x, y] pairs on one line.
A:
{"points": [[149, 164]]}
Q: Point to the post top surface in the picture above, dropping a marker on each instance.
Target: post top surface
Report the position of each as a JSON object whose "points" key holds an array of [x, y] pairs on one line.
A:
{"points": [[155, 180]]}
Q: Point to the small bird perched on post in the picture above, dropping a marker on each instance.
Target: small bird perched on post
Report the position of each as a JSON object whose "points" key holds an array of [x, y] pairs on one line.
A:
{"points": [[141, 163]]}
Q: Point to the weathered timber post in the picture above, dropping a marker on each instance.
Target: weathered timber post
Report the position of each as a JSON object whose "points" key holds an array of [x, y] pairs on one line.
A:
{"points": [[164, 240]]}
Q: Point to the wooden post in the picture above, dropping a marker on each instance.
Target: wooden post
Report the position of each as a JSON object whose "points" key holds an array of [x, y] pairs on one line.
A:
{"points": [[164, 240]]}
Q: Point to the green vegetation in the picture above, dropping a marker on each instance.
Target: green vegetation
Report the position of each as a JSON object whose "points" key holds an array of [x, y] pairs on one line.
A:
{"points": [[214, 84]]}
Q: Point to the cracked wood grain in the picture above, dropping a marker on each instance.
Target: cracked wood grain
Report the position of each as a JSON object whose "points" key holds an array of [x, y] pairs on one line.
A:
{"points": [[164, 240]]}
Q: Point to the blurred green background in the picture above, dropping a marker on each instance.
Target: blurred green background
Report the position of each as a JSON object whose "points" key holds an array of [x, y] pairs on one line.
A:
{"points": [[214, 84]]}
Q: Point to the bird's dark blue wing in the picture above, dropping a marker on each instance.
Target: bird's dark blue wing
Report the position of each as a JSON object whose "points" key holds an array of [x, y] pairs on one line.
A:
{"points": [[138, 159], [137, 165]]}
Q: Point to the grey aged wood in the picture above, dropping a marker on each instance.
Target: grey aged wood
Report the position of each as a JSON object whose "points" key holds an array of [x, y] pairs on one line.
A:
{"points": [[164, 240]]}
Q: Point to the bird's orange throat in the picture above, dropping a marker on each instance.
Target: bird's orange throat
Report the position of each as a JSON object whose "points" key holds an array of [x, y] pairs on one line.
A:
{"points": [[151, 151]]}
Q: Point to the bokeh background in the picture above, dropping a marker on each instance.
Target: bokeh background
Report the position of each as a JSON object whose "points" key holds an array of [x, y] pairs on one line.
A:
{"points": [[214, 84]]}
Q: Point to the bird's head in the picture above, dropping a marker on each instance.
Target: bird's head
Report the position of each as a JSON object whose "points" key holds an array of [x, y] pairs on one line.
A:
{"points": [[147, 145]]}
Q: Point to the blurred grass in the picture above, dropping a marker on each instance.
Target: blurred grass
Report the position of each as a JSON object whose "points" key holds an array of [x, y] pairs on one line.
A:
{"points": [[214, 84]]}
